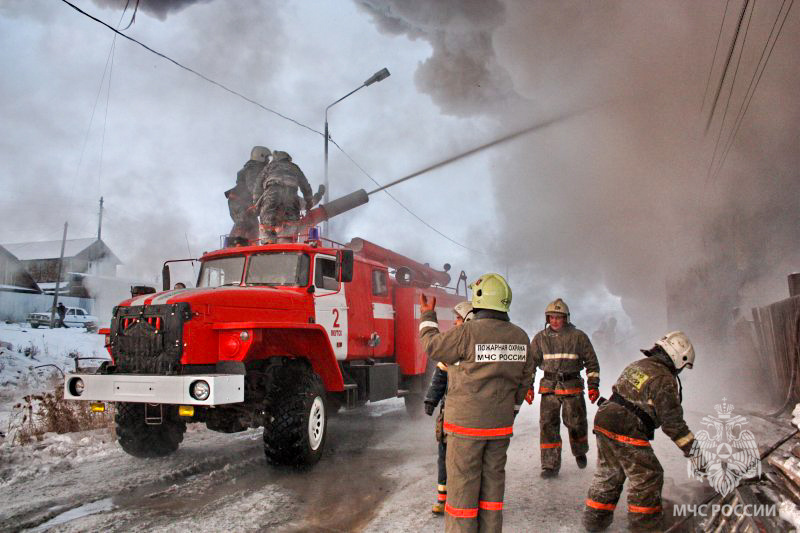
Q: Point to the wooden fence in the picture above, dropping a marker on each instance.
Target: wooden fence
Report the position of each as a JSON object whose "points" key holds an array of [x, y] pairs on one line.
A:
{"points": [[777, 331]]}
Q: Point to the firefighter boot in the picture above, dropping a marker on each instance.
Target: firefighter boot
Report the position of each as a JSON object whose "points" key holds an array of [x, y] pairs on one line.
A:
{"points": [[581, 460], [548, 473]]}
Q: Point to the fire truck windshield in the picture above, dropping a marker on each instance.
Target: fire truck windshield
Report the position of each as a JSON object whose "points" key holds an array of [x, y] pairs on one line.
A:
{"points": [[278, 269], [223, 271]]}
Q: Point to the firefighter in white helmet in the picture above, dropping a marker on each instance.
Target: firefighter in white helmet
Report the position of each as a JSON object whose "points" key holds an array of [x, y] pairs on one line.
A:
{"points": [[489, 371], [647, 395], [436, 393], [561, 350]]}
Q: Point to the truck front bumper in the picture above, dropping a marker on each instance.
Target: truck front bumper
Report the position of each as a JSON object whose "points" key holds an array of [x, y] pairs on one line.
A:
{"points": [[142, 388]]}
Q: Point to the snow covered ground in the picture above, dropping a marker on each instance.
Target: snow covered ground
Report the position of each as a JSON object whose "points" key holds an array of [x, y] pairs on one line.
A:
{"points": [[378, 473], [23, 349]]}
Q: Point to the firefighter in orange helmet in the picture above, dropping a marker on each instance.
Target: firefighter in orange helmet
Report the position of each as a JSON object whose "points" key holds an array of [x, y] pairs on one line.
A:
{"points": [[489, 371], [561, 350]]}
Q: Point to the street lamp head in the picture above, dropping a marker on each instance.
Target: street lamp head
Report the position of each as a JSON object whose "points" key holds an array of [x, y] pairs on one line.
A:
{"points": [[382, 74]]}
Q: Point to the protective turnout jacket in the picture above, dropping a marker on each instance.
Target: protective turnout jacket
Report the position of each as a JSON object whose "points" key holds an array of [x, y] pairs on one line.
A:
{"points": [[562, 355], [247, 178], [283, 172], [489, 370], [651, 385], [438, 388]]}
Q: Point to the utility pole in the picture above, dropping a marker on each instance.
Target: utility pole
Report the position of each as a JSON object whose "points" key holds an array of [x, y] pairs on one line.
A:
{"points": [[100, 221], [58, 277]]}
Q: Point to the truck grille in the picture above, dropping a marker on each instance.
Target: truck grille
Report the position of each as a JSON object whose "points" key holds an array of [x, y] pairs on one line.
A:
{"points": [[148, 339]]}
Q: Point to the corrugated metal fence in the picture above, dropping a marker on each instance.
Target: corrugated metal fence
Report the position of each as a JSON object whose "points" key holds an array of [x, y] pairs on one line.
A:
{"points": [[15, 306], [777, 328]]}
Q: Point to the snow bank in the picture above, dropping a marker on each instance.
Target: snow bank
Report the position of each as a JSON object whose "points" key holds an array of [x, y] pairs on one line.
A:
{"points": [[54, 453], [23, 349]]}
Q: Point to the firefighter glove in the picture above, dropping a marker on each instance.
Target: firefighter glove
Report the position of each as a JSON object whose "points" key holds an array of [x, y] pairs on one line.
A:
{"points": [[529, 396], [429, 407], [425, 304], [594, 394]]}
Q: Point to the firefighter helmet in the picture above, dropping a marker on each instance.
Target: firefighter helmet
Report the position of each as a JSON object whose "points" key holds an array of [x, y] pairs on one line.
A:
{"points": [[557, 307], [679, 348], [491, 291], [277, 155], [464, 310], [260, 153]]}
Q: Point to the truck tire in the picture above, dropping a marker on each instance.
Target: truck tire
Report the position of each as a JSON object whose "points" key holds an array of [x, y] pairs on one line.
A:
{"points": [[296, 430], [143, 440], [35, 326]]}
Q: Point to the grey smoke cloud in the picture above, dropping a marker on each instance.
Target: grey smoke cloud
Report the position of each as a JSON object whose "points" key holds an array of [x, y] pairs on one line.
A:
{"points": [[619, 198], [462, 74]]}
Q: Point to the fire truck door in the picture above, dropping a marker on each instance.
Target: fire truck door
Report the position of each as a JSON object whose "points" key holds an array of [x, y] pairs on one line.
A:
{"points": [[382, 313], [329, 303]]}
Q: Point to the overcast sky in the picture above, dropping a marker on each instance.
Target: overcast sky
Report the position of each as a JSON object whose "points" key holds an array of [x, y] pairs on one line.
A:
{"points": [[601, 208]]}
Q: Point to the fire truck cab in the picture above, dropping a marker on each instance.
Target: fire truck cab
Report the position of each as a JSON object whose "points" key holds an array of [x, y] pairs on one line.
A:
{"points": [[277, 335]]}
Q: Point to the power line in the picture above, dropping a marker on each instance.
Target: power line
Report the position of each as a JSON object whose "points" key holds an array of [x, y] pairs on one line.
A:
{"points": [[250, 100], [403, 205], [196, 73], [730, 93], [754, 83], [714, 59], [727, 63]]}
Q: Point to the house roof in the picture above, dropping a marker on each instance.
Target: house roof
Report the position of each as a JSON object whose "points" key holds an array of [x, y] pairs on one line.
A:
{"points": [[25, 251]]}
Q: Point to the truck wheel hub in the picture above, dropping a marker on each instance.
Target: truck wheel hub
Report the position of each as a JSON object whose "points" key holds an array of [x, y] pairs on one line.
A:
{"points": [[316, 423]]}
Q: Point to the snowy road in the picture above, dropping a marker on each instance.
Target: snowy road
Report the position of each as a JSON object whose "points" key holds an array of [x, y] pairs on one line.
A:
{"points": [[378, 475]]}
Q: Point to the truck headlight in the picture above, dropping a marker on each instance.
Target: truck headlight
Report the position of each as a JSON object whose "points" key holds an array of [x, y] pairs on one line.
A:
{"points": [[76, 386], [200, 390]]}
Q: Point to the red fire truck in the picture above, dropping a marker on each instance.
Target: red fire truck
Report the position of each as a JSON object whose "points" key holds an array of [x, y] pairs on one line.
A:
{"points": [[277, 335]]}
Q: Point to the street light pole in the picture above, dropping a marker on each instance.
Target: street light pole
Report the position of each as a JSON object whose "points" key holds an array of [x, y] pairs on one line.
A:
{"points": [[378, 76]]}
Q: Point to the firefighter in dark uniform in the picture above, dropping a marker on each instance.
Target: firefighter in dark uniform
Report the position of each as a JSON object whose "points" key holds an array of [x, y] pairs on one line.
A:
{"points": [[647, 395], [436, 393], [240, 197], [561, 350], [489, 371], [276, 192]]}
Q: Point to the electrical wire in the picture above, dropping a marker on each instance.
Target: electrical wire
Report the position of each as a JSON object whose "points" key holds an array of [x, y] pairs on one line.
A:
{"points": [[751, 89], [403, 205], [727, 63], [250, 100], [192, 71], [714, 59], [105, 119], [730, 92]]}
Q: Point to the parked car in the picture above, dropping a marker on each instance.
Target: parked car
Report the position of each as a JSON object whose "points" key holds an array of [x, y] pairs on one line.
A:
{"points": [[75, 318]]}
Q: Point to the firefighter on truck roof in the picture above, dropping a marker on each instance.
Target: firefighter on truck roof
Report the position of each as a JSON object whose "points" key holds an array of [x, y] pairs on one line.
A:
{"points": [[436, 393], [489, 371], [647, 395], [240, 198], [276, 192], [561, 350]]}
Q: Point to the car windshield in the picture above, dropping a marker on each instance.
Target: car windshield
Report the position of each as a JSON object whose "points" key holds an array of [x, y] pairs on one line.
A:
{"points": [[278, 269], [222, 271]]}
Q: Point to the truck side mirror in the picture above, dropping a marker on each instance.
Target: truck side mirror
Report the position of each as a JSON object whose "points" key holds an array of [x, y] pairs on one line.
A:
{"points": [[165, 278], [346, 263]]}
